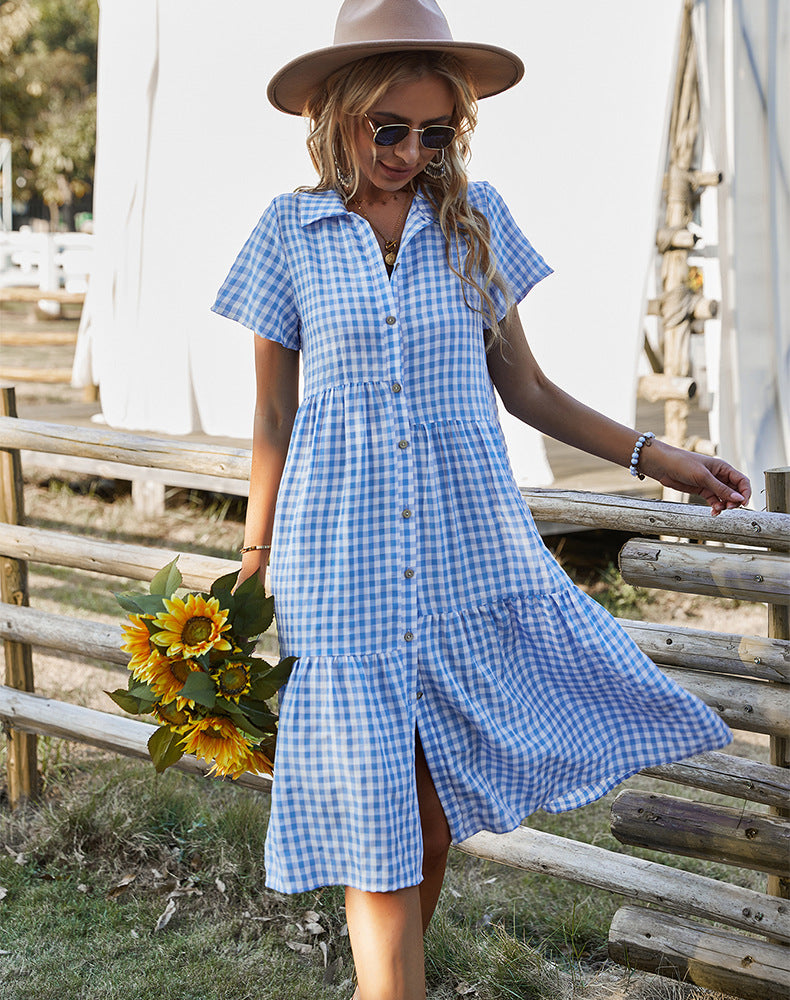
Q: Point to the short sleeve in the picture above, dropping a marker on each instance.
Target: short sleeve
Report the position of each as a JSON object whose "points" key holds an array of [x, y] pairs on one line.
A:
{"points": [[258, 292], [517, 261]]}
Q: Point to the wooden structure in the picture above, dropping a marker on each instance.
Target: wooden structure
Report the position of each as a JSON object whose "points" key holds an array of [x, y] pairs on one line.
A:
{"points": [[745, 678], [681, 306]]}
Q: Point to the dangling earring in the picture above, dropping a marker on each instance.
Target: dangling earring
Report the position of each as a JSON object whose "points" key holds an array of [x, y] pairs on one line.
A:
{"points": [[346, 179], [436, 170]]}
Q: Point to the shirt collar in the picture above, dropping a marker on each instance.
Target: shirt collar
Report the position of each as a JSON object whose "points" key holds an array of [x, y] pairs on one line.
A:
{"points": [[315, 205]]}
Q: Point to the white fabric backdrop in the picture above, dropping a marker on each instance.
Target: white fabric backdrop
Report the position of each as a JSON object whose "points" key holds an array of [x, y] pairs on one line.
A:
{"points": [[190, 152], [746, 109]]}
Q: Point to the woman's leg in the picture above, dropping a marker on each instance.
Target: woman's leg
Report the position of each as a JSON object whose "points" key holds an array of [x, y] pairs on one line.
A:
{"points": [[436, 837], [386, 952], [385, 929]]}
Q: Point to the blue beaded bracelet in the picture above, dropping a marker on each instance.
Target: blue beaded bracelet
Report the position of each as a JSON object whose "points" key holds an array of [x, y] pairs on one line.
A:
{"points": [[643, 439]]}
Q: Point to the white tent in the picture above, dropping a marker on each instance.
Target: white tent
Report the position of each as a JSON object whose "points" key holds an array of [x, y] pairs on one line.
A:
{"points": [[745, 93], [190, 153]]}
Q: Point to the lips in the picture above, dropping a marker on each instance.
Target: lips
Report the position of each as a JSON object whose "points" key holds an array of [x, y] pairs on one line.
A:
{"points": [[394, 172]]}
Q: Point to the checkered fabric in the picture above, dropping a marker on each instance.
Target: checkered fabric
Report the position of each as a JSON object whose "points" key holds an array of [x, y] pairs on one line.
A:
{"points": [[408, 575]]}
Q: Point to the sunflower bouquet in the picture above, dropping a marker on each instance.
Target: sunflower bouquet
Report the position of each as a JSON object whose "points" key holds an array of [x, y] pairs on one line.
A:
{"points": [[192, 667]]}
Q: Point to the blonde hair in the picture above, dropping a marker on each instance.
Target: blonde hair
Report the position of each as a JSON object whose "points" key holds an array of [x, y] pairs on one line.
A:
{"points": [[351, 92]]}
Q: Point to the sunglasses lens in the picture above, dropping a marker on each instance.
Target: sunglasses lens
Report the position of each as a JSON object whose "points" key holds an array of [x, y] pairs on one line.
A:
{"points": [[438, 136], [390, 135]]}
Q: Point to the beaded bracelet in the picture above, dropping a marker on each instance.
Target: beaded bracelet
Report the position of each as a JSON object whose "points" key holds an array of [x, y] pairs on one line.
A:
{"points": [[643, 439], [252, 548]]}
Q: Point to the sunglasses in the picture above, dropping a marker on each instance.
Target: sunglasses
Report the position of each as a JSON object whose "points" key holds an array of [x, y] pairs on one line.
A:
{"points": [[431, 137]]}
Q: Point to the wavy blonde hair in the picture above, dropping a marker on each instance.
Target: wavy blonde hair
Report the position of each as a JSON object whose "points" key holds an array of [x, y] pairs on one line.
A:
{"points": [[351, 92]]}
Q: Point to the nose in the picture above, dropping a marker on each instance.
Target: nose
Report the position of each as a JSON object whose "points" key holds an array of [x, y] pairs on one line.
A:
{"points": [[408, 149]]}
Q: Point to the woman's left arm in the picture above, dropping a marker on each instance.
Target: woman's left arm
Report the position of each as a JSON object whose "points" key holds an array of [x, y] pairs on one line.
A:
{"points": [[533, 398]]}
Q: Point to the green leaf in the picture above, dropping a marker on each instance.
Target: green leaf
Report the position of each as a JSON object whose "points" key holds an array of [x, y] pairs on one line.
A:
{"points": [[125, 700], [259, 714], [222, 588], [253, 615], [150, 604], [144, 695], [199, 687], [265, 685], [167, 580], [130, 602], [233, 712], [164, 749]]}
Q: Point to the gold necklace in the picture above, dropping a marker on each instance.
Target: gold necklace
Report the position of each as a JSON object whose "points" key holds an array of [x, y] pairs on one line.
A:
{"points": [[390, 245]]}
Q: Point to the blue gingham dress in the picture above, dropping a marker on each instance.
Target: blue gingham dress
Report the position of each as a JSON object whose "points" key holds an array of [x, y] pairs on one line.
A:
{"points": [[407, 573]]}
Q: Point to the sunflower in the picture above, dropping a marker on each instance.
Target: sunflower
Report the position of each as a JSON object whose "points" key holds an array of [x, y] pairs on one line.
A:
{"points": [[260, 762], [191, 626], [232, 680], [217, 738], [178, 719], [142, 652], [168, 677]]}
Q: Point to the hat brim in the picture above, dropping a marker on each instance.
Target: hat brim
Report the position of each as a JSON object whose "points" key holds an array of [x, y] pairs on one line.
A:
{"points": [[493, 69]]}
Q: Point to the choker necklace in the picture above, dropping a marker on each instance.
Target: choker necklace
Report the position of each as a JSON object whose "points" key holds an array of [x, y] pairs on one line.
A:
{"points": [[390, 245]]}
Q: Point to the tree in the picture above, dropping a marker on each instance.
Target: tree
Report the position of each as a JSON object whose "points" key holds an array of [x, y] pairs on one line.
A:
{"points": [[48, 86]]}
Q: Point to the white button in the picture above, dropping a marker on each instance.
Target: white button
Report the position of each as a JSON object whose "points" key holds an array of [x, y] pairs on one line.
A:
{"points": [[403, 444], [396, 386], [408, 636], [391, 321], [407, 512], [408, 573]]}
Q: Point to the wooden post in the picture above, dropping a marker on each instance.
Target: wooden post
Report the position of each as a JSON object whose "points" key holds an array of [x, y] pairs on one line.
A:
{"points": [[22, 761], [777, 494]]}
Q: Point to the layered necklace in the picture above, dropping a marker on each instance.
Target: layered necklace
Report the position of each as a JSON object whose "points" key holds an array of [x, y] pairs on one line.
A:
{"points": [[392, 243]]}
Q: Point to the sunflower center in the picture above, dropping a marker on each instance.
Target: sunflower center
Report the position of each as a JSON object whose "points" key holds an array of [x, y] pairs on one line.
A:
{"points": [[196, 630], [233, 680], [214, 734], [180, 670], [173, 715]]}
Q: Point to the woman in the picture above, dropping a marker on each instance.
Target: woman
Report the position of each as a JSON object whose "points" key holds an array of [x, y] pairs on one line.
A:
{"points": [[450, 677]]}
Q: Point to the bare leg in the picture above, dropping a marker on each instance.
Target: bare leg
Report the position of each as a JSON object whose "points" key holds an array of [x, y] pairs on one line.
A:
{"points": [[386, 941], [377, 923], [435, 835]]}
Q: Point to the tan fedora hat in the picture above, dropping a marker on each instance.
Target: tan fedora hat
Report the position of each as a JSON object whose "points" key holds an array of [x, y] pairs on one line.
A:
{"points": [[371, 27]]}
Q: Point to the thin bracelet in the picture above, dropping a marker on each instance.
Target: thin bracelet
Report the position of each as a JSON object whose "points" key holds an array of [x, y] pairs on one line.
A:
{"points": [[643, 439], [252, 548]]}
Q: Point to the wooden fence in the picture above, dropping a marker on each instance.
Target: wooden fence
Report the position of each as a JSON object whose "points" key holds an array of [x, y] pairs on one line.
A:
{"points": [[745, 678]]}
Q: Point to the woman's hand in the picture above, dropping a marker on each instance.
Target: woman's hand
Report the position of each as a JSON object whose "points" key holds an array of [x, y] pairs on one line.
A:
{"points": [[252, 563], [717, 482]]}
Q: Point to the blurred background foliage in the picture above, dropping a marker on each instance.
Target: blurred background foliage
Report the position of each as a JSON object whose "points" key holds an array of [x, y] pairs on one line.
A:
{"points": [[48, 104]]}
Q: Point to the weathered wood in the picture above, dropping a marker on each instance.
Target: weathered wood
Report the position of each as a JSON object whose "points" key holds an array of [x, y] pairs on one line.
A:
{"points": [[668, 239], [657, 517], [702, 830], [656, 388], [701, 309], [22, 759], [49, 376], [729, 775], [647, 881], [119, 734], [718, 652], [94, 640], [709, 957], [754, 706], [777, 496], [131, 449], [53, 338], [131, 562], [706, 569], [706, 178], [12, 294]]}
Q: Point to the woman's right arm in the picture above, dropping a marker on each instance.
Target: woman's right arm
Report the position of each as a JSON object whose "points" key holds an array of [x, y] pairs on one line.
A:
{"points": [[277, 398]]}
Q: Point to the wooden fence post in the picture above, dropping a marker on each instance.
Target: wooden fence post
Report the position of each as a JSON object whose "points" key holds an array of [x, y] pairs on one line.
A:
{"points": [[23, 780], [777, 495]]}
